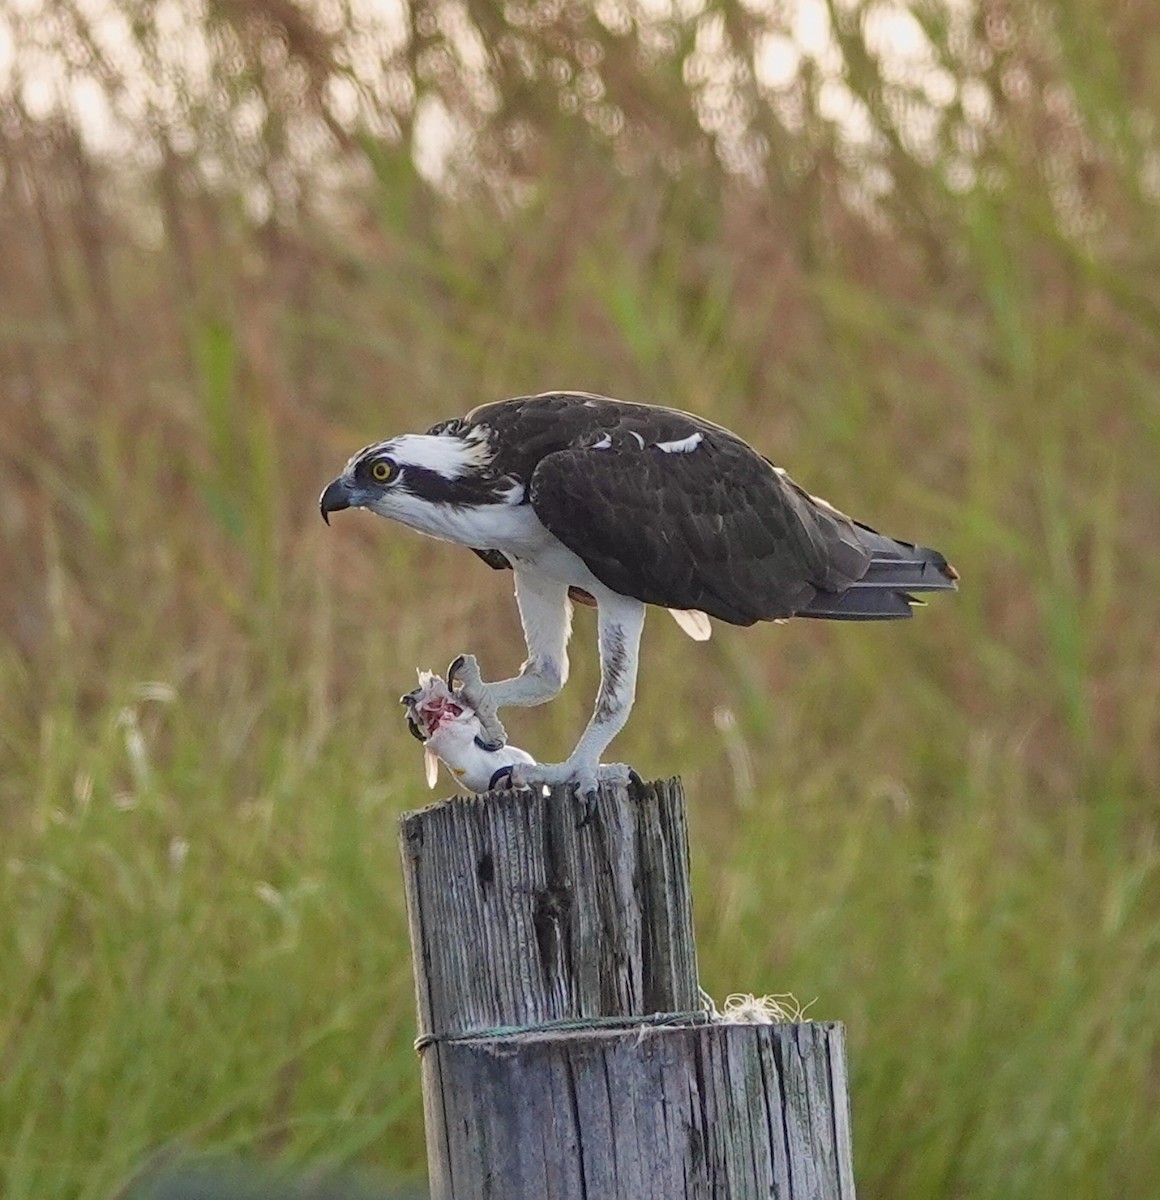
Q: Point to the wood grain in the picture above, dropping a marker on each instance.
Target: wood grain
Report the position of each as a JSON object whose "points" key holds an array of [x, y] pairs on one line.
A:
{"points": [[726, 1111], [518, 917]]}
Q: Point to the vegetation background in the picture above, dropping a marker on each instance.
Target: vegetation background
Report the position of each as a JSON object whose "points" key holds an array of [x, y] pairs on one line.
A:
{"points": [[911, 250]]}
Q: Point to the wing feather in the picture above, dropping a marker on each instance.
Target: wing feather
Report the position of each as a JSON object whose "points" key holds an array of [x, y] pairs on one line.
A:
{"points": [[717, 529]]}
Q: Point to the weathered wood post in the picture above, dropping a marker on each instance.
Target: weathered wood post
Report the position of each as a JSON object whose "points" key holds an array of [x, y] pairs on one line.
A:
{"points": [[566, 1051]]}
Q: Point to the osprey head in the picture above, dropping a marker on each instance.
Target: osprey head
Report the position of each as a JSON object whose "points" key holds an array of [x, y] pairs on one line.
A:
{"points": [[402, 477], [365, 482]]}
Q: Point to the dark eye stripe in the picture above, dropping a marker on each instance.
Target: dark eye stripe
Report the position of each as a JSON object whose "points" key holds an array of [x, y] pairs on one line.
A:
{"points": [[472, 489]]}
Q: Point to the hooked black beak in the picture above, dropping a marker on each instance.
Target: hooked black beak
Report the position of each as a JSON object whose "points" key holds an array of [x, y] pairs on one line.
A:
{"points": [[335, 498]]}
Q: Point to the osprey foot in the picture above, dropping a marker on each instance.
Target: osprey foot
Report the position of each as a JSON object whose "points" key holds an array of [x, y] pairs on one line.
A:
{"points": [[587, 778], [464, 671]]}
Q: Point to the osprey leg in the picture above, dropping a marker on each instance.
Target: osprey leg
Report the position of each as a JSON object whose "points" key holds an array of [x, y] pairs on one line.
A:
{"points": [[619, 624], [546, 615]]}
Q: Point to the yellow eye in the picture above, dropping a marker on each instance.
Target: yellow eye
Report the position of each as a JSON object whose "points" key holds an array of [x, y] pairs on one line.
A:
{"points": [[383, 470]]}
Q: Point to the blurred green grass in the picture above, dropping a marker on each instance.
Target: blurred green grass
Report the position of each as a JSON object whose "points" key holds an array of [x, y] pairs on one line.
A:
{"points": [[943, 833]]}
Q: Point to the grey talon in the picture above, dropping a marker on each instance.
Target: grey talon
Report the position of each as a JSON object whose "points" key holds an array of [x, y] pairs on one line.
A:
{"points": [[409, 700], [590, 798], [453, 670], [490, 747]]}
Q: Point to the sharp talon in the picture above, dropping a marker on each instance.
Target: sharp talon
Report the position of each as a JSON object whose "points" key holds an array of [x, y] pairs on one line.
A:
{"points": [[590, 798], [416, 732], [490, 747], [453, 670], [503, 775], [635, 779]]}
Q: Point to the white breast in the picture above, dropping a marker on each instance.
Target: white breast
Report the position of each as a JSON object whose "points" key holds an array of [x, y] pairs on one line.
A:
{"points": [[511, 528]]}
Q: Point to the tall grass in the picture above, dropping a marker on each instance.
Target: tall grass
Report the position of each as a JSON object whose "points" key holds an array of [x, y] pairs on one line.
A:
{"points": [[942, 833]]}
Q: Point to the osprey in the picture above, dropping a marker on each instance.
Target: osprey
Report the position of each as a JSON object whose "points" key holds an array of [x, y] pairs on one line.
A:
{"points": [[622, 506]]}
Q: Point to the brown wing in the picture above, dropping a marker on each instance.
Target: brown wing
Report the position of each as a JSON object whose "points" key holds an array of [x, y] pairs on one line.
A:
{"points": [[716, 528]]}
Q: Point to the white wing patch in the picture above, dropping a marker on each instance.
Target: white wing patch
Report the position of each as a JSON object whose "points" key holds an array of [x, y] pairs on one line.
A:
{"points": [[693, 621], [684, 445], [826, 505]]}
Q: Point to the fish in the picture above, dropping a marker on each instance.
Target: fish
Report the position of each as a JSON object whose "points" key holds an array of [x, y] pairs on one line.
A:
{"points": [[452, 734]]}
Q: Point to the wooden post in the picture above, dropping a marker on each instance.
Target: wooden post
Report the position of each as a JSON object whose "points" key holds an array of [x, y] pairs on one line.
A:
{"points": [[565, 1050]]}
